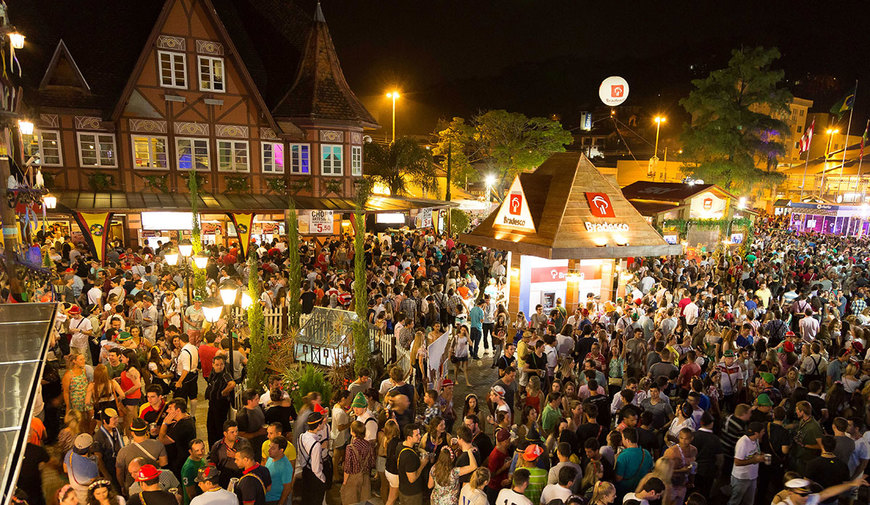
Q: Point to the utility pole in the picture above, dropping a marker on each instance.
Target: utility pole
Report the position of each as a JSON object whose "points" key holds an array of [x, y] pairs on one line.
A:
{"points": [[447, 189]]}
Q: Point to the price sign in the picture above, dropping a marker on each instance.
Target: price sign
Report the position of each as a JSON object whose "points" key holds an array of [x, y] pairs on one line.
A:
{"points": [[321, 222]]}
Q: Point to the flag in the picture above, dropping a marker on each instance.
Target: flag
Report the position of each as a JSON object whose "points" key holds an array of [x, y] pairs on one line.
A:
{"points": [[864, 139], [808, 137], [845, 104]]}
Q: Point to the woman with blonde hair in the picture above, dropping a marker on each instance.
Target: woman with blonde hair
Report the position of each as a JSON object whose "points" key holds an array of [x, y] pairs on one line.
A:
{"points": [[592, 475], [73, 426], [664, 470], [387, 465], [75, 381], [472, 493], [103, 392], [603, 493]]}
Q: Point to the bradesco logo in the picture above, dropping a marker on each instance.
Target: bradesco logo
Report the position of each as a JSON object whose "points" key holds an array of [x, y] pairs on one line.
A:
{"points": [[599, 204], [514, 212], [515, 204]]}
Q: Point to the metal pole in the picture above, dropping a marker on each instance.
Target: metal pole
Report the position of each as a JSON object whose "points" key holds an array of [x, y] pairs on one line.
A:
{"points": [[806, 166], [846, 140], [447, 194], [824, 167], [860, 162], [394, 117]]}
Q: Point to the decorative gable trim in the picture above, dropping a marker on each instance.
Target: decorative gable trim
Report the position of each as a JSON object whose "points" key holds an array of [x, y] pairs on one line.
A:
{"points": [[231, 131], [209, 47], [268, 134], [171, 43], [147, 126], [88, 123], [195, 129], [49, 121], [331, 136], [62, 50], [355, 138]]}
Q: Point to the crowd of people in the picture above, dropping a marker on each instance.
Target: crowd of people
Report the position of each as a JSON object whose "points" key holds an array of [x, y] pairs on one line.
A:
{"points": [[736, 377]]}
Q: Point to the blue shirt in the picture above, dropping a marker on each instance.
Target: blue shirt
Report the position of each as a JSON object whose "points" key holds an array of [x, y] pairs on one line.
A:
{"points": [[632, 464], [282, 473], [475, 317], [80, 468]]}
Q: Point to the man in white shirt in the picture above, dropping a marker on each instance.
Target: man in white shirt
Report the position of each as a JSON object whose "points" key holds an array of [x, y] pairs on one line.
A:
{"points": [[361, 410], [651, 490], [95, 294], [562, 490], [744, 474], [212, 492], [690, 312], [514, 495], [80, 330], [188, 362]]}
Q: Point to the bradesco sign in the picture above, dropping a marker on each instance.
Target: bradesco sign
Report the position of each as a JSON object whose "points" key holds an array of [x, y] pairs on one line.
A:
{"points": [[514, 211]]}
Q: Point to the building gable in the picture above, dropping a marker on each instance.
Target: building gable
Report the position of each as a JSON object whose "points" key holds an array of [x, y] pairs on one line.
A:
{"points": [[63, 72]]}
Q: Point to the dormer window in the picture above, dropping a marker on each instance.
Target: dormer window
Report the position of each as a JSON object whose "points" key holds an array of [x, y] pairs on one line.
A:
{"points": [[211, 74], [173, 69]]}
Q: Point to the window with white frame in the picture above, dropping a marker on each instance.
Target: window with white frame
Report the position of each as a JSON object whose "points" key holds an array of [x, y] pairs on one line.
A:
{"points": [[273, 157], [97, 150], [300, 159], [330, 160], [232, 155], [149, 152], [191, 154], [173, 69], [46, 145], [355, 160], [211, 74]]}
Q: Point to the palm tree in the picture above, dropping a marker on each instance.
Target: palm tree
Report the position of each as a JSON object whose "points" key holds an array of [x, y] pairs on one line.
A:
{"points": [[395, 164]]}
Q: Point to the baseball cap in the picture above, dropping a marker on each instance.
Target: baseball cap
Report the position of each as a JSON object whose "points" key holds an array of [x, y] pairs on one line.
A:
{"points": [[207, 473], [147, 472], [139, 425], [764, 400], [502, 435], [728, 354], [532, 452], [447, 383]]}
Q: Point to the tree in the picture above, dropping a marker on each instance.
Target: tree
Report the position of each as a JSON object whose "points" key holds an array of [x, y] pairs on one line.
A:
{"points": [[199, 280], [294, 277], [501, 143], [393, 164], [361, 343], [737, 121], [259, 356]]}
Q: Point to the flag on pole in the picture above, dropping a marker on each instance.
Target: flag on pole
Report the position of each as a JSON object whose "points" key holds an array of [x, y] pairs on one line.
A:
{"points": [[845, 104], [807, 138], [864, 139]]}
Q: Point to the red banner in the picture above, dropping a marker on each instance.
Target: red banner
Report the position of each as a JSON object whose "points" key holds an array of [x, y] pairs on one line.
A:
{"points": [[599, 204], [549, 274]]}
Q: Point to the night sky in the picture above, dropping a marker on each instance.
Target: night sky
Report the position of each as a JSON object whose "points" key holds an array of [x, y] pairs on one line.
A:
{"points": [[453, 58]]}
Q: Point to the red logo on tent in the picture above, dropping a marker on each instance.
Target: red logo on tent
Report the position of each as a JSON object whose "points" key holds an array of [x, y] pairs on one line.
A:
{"points": [[708, 203], [617, 90], [599, 204], [515, 204]]}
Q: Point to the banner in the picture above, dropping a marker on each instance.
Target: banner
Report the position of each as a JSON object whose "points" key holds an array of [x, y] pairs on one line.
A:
{"points": [[321, 222], [438, 356], [94, 228], [424, 218], [244, 224]]}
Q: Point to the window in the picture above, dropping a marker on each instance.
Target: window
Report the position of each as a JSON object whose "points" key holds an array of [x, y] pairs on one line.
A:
{"points": [[299, 159], [330, 160], [355, 160], [802, 112], [797, 145], [97, 150], [232, 155], [192, 154], [149, 152], [211, 74], [273, 157], [173, 69], [45, 144]]}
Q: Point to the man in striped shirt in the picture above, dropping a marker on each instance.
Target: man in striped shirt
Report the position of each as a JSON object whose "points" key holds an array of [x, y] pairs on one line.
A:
{"points": [[734, 428], [730, 379]]}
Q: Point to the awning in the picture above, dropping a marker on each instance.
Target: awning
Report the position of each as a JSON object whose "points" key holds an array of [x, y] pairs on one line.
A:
{"points": [[86, 201], [24, 330]]}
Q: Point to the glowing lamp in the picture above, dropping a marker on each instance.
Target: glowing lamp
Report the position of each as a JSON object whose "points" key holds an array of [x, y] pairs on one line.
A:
{"points": [[212, 311], [171, 258], [25, 127], [246, 300], [185, 248], [49, 201], [16, 40], [229, 290], [200, 261]]}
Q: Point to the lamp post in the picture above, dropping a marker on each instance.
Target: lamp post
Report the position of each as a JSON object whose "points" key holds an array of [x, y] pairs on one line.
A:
{"points": [[394, 95], [185, 248], [831, 132], [229, 291], [651, 170]]}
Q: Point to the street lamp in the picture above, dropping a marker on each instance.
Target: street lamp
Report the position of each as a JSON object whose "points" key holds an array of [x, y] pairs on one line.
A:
{"points": [[229, 290], [490, 183], [25, 127], [171, 258], [659, 120], [185, 248], [49, 201], [831, 132], [200, 261], [246, 300], [16, 40], [394, 95]]}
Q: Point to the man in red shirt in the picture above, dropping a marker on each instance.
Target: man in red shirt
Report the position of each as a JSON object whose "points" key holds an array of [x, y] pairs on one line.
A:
{"points": [[499, 463], [688, 372], [207, 352]]}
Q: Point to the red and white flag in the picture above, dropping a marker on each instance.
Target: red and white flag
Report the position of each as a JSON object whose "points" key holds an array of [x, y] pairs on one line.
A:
{"points": [[808, 137]]}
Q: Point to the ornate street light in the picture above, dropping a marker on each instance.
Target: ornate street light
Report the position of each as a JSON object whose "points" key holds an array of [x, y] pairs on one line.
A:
{"points": [[200, 261], [229, 290], [185, 248], [171, 258]]}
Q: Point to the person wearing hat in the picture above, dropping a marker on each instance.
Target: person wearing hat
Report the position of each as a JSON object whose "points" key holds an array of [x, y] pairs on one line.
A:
{"points": [[744, 474], [499, 463], [142, 446], [80, 330], [194, 317], [107, 443], [731, 380], [362, 414], [81, 466], [761, 410], [212, 492], [537, 476], [152, 493], [797, 492], [313, 460]]}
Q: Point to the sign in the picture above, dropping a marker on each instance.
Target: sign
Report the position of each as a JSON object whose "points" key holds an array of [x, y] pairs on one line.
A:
{"points": [[165, 221], [609, 227], [211, 228], [586, 121], [94, 229], [599, 204], [613, 91], [549, 274], [708, 203], [244, 225], [423, 218], [736, 238], [514, 212], [671, 239], [321, 222]]}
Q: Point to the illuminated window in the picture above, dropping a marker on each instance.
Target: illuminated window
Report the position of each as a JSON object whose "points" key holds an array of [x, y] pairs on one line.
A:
{"points": [[211, 74], [46, 144], [173, 73], [273, 157], [192, 153], [330, 160], [149, 152], [300, 159], [233, 155], [97, 150], [356, 160]]}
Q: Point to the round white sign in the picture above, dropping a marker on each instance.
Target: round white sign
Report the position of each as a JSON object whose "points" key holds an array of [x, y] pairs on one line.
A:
{"points": [[613, 91]]}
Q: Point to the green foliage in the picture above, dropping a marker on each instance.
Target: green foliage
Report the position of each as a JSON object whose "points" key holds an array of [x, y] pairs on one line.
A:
{"points": [[502, 143], [199, 277], [259, 356], [101, 182], [299, 185], [237, 184], [332, 186], [362, 351], [295, 274], [304, 381], [459, 221], [738, 122], [395, 164], [156, 182], [277, 185], [724, 225]]}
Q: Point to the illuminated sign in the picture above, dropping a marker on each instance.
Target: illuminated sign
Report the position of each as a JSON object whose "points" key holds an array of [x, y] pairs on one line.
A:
{"points": [[708, 203], [606, 227], [321, 222], [613, 91], [671, 239], [599, 204], [549, 274], [514, 212]]}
